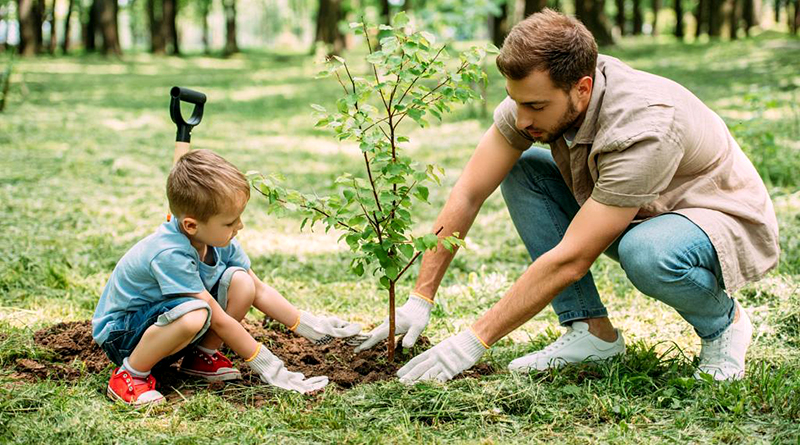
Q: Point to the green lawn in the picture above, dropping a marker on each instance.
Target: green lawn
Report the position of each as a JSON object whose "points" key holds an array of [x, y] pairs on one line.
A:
{"points": [[85, 147]]}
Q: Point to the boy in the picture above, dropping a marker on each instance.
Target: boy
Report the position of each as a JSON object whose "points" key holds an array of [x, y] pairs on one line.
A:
{"points": [[183, 290]]}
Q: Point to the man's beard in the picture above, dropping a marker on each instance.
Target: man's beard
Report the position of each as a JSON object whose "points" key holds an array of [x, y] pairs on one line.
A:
{"points": [[567, 121]]}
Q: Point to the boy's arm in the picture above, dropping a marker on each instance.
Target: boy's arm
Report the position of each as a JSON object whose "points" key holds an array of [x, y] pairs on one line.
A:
{"points": [[316, 329], [272, 303]]}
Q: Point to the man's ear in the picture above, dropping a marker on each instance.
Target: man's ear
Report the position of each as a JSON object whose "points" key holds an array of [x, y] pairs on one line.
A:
{"points": [[189, 225], [584, 88]]}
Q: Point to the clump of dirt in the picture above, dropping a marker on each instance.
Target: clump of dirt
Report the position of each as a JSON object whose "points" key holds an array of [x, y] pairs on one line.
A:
{"points": [[76, 354]]}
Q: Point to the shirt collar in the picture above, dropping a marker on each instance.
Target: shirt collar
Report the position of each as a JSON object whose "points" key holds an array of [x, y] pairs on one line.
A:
{"points": [[588, 128]]}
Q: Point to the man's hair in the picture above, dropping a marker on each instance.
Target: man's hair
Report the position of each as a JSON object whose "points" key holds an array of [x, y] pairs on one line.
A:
{"points": [[551, 42], [203, 184]]}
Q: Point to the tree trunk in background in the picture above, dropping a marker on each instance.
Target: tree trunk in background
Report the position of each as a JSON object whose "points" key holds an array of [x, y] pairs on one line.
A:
{"points": [[67, 19], [39, 12], [679, 19], [638, 20], [498, 26], [157, 43], [107, 19], [715, 18], [533, 6], [169, 11], [777, 9], [701, 17], [734, 16], [231, 47], [748, 15], [4, 35], [386, 11], [90, 36], [205, 9], [620, 17], [327, 30], [592, 14], [51, 19], [27, 33], [796, 21], [656, 8]]}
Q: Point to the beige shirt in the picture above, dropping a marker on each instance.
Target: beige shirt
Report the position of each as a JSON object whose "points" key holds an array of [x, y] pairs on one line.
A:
{"points": [[648, 142]]}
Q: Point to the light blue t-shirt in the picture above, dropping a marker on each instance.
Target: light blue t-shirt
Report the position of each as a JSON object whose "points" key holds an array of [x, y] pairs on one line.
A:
{"points": [[158, 267]]}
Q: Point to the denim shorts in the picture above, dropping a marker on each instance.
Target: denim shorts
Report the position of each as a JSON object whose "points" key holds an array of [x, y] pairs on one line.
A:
{"points": [[129, 329]]}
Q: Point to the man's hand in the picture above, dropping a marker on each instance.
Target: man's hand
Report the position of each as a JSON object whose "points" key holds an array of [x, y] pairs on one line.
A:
{"points": [[321, 330], [410, 319], [445, 360]]}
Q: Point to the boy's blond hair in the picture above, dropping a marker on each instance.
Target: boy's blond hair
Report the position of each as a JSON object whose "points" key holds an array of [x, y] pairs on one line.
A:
{"points": [[203, 184]]}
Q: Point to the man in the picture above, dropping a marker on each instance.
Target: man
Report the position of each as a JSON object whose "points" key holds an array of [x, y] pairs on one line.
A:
{"points": [[638, 169]]}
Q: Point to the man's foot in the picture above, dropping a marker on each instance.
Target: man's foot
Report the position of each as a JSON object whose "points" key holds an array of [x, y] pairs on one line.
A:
{"points": [[575, 346], [723, 357], [212, 367], [123, 386]]}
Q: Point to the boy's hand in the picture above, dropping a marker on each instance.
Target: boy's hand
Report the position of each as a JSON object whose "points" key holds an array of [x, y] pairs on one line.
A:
{"points": [[272, 371], [410, 319], [321, 330]]}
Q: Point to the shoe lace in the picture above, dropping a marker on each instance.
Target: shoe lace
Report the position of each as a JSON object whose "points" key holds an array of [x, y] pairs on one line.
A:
{"points": [[561, 341], [713, 351]]}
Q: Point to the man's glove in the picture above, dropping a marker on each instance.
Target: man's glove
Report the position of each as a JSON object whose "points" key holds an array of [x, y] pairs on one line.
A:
{"points": [[410, 319], [272, 371], [321, 330], [445, 360]]}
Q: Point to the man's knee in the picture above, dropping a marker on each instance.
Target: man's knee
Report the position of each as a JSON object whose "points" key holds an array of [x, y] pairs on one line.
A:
{"points": [[242, 288], [647, 263]]}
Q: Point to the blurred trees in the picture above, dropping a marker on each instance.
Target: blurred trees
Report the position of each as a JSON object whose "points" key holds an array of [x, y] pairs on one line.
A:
{"points": [[49, 26]]}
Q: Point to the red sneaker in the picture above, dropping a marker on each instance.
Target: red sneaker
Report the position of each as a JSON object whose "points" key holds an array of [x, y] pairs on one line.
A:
{"points": [[214, 368], [123, 387]]}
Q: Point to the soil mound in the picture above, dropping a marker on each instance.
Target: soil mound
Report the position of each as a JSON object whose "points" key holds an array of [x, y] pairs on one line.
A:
{"points": [[75, 354]]}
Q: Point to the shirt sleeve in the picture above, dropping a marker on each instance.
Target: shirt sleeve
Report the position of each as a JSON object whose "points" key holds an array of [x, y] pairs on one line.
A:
{"points": [[636, 176], [176, 273], [236, 256], [505, 118]]}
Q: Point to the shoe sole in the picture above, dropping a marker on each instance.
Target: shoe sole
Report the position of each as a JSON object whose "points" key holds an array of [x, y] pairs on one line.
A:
{"points": [[232, 375], [116, 398]]}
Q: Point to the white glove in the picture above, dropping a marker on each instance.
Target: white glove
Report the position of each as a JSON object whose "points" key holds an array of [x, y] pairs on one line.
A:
{"points": [[410, 319], [272, 371], [445, 360], [321, 330]]}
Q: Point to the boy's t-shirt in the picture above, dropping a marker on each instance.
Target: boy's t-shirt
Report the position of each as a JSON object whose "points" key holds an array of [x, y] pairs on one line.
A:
{"points": [[163, 265]]}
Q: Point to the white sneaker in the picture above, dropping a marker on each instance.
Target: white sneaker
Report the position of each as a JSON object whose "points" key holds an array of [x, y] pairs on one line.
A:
{"points": [[723, 357], [575, 346]]}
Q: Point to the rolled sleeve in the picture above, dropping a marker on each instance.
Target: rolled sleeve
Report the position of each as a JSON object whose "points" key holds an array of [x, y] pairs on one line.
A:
{"points": [[635, 176], [505, 118]]}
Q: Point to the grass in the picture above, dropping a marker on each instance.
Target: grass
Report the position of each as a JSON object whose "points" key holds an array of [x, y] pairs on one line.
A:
{"points": [[86, 144]]}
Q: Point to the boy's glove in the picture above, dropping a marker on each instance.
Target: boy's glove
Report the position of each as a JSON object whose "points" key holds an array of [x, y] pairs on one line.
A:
{"points": [[272, 371], [445, 360], [410, 319], [321, 330]]}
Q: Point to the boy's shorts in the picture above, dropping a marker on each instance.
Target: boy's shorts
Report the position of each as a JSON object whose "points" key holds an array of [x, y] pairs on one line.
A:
{"points": [[128, 330]]}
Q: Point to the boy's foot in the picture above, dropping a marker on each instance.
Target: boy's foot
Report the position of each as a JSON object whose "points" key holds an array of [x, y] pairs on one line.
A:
{"points": [[122, 386], [575, 346], [723, 357], [212, 367]]}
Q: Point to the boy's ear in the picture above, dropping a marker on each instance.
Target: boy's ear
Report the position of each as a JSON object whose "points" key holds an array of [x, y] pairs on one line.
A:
{"points": [[189, 225]]}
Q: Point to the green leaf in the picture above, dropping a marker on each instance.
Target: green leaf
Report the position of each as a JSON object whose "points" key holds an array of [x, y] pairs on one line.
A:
{"points": [[402, 139], [354, 25], [400, 19], [422, 193], [431, 240], [385, 282], [407, 250], [384, 27], [319, 108], [358, 269]]}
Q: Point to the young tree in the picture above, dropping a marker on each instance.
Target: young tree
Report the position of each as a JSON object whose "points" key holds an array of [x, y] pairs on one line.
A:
{"points": [[408, 78]]}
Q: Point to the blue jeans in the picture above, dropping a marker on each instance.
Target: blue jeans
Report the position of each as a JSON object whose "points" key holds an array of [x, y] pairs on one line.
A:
{"points": [[128, 330], [667, 257]]}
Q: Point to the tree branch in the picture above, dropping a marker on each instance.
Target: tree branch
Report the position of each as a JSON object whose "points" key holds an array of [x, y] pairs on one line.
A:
{"points": [[414, 258]]}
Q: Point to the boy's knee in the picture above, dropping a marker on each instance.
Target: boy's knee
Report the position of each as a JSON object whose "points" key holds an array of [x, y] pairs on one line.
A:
{"points": [[242, 287], [193, 322]]}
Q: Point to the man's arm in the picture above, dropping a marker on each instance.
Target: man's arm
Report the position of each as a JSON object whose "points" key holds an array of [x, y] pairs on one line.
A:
{"points": [[592, 230], [490, 163]]}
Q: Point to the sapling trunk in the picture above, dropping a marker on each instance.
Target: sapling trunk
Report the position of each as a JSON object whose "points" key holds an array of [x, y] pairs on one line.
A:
{"points": [[391, 321]]}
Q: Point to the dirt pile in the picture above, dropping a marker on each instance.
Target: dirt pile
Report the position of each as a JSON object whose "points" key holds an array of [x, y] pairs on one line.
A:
{"points": [[75, 354]]}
